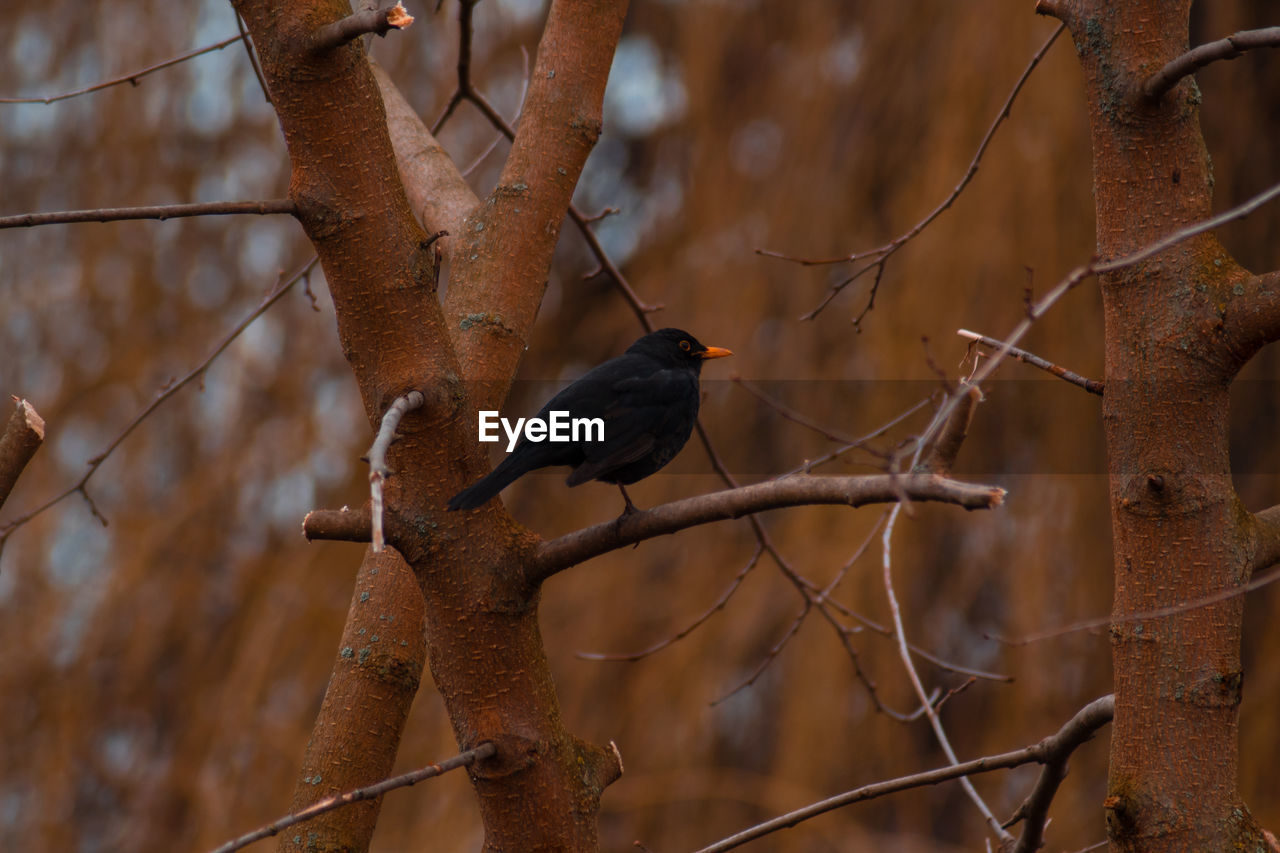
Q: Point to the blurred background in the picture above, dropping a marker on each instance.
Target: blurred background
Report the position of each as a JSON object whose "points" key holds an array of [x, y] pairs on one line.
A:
{"points": [[164, 671]]}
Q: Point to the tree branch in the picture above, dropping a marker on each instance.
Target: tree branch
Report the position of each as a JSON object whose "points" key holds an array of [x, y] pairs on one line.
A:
{"points": [[581, 545], [133, 77], [1253, 311], [377, 456], [21, 439], [1035, 809], [904, 652], [437, 192], [280, 288], [941, 457], [338, 525], [156, 211], [1198, 57], [879, 256], [1077, 276], [328, 804], [1093, 386], [1053, 748], [369, 21], [494, 296], [1266, 539]]}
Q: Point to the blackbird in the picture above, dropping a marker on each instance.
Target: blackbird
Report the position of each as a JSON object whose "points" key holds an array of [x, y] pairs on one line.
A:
{"points": [[648, 400]]}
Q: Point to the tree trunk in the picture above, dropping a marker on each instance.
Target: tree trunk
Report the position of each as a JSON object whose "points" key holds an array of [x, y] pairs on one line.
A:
{"points": [[1173, 346], [541, 790]]}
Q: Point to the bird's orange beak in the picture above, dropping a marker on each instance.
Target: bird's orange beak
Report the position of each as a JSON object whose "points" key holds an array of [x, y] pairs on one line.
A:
{"points": [[715, 352]]}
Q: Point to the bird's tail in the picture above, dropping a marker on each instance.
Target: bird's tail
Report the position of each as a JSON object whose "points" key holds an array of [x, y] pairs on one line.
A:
{"points": [[487, 487]]}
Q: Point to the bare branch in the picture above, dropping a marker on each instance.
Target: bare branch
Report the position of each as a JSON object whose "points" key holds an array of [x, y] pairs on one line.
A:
{"points": [[904, 652], [465, 759], [879, 255], [1059, 748], [1253, 314], [437, 192], [942, 455], [1072, 280], [253, 57], [21, 439], [1258, 582], [377, 456], [638, 306], [810, 464], [1198, 57], [1266, 549], [573, 548], [281, 287], [338, 525], [134, 77], [1093, 386], [368, 21], [693, 626], [769, 656], [790, 413], [1076, 731], [525, 210], [156, 211]]}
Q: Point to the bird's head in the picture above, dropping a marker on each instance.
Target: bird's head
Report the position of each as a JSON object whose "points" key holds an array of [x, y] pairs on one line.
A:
{"points": [[676, 347]]}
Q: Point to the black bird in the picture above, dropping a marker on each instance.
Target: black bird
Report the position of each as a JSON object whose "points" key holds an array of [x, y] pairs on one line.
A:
{"points": [[648, 399]]}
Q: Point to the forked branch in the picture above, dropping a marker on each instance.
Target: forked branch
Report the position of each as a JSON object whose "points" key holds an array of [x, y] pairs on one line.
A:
{"points": [[1055, 748]]}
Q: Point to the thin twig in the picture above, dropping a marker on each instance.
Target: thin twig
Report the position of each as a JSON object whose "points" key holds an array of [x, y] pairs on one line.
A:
{"points": [[133, 77], [1198, 57], [716, 607], [809, 465], [377, 455], [1072, 280], [1076, 730], [879, 255], [524, 92], [281, 287], [557, 554], [466, 759], [905, 654], [253, 57], [1093, 386], [1257, 582], [769, 656], [790, 413], [155, 211]]}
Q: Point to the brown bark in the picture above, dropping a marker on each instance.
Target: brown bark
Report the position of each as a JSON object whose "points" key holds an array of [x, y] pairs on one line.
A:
{"points": [[22, 437], [1178, 328], [541, 790], [375, 677]]}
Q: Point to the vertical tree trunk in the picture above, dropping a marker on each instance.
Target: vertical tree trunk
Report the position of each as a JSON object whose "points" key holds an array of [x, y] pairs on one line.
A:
{"points": [[1180, 532], [541, 790]]}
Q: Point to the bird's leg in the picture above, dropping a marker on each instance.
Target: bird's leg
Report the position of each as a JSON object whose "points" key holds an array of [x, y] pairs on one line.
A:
{"points": [[630, 508]]}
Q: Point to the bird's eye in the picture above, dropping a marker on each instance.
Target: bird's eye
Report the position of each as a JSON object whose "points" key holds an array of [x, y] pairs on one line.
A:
{"points": [[684, 345]]}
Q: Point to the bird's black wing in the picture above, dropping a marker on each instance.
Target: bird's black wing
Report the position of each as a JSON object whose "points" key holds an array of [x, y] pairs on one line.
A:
{"points": [[645, 415]]}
